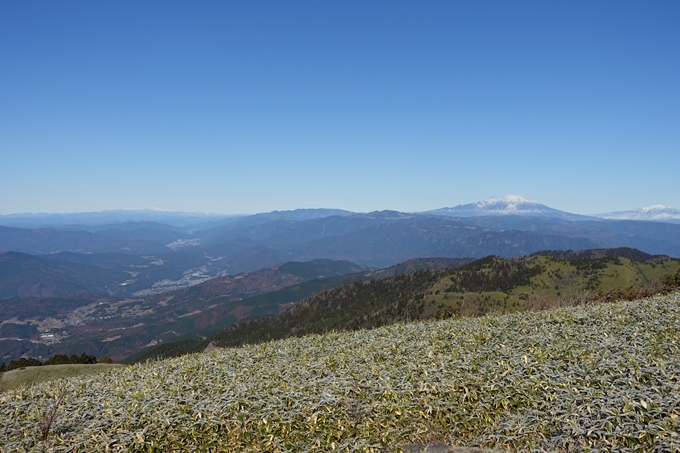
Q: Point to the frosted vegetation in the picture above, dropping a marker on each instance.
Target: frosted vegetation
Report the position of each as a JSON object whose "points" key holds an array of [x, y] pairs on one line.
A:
{"points": [[595, 378]]}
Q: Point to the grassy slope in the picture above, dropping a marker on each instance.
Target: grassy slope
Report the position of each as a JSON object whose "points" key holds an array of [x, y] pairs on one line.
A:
{"points": [[557, 279], [34, 374], [597, 377]]}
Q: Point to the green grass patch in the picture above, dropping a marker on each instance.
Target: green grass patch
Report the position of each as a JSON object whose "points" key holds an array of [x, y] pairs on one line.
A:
{"points": [[35, 374]]}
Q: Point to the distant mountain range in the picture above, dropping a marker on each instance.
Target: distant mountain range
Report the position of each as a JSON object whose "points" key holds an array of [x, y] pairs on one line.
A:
{"points": [[117, 216], [508, 205], [655, 213], [152, 218], [142, 258]]}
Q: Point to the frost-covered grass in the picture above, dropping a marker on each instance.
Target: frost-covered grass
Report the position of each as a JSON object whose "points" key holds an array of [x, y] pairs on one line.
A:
{"points": [[602, 377]]}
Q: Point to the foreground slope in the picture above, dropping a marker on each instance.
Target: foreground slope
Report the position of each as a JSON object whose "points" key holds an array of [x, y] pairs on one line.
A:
{"points": [[601, 377]]}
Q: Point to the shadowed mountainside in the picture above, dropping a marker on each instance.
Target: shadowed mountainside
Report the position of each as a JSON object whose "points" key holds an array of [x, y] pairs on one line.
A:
{"points": [[24, 275]]}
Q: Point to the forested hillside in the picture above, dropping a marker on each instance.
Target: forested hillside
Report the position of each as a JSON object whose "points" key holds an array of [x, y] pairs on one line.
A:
{"points": [[488, 285]]}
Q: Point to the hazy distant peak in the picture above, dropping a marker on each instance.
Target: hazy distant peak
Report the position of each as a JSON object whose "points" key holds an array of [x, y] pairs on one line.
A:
{"points": [[154, 209], [151, 211], [109, 217], [656, 213], [508, 205], [301, 214]]}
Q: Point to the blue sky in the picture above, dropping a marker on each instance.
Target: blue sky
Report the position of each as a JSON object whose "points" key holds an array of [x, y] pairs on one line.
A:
{"points": [[244, 107]]}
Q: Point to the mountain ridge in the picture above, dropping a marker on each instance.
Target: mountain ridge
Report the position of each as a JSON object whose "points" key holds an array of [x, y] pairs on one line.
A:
{"points": [[654, 213], [508, 205]]}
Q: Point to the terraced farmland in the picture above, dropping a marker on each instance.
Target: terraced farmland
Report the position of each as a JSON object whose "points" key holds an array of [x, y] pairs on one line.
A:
{"points": [[594, 378]]}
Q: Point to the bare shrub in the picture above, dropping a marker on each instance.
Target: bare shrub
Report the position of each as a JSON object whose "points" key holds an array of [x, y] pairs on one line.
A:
{"points": [[580, 298], [49, 416]]}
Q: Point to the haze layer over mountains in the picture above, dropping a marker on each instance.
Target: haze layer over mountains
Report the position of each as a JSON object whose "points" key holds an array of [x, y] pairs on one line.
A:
{"points": [[222, 245]]}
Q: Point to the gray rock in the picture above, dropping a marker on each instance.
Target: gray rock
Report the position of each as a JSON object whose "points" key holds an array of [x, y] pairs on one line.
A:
{"points": [[211, 347]]}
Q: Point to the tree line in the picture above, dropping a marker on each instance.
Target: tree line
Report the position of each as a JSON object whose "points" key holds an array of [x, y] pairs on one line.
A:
{"points": [[57, 359]]}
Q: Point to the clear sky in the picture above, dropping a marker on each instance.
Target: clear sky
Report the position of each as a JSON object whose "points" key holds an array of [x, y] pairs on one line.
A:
{"points": [[252, 106]]}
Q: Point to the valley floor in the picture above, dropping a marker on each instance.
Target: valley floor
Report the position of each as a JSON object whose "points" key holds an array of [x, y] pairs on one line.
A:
{"points": [[600, 377]]}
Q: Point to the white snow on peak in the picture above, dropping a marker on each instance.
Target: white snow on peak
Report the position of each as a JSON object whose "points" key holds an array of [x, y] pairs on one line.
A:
{"points": [[654, 207], [507, 203], [517, 199]]}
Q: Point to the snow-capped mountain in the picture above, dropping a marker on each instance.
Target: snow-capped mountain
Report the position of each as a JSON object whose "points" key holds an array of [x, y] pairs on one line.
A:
{"points": [[656, 213], [508, 205]]}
